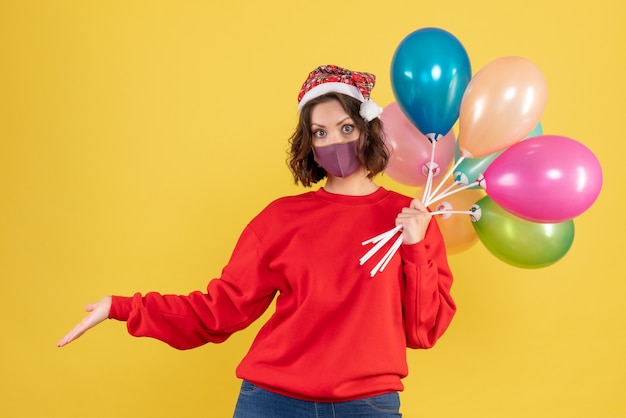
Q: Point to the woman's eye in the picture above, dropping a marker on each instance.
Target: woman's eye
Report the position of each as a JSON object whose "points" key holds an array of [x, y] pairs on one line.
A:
{"points": [[347, 129], [319, 133]]}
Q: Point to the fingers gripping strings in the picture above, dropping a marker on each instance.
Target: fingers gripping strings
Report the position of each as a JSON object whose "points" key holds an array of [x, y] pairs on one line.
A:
{"points": [[429, 197]]}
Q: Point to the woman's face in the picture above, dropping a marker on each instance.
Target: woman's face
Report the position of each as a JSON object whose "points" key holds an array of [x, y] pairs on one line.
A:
{"points": [[330, 124]]}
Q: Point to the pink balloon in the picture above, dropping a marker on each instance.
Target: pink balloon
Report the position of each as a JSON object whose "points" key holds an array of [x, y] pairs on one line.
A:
{"points": [[547, 179], [411, 151]]}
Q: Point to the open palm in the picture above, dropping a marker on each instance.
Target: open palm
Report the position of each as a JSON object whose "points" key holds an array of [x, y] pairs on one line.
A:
{"points": [[98, 312]]}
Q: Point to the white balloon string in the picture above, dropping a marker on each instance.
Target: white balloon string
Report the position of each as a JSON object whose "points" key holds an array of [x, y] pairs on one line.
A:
{"points": [[446, 190], [459, 189], [448, 174], [387, 257], [380, 240], [444, 212], [429, 179], [385, 234]]}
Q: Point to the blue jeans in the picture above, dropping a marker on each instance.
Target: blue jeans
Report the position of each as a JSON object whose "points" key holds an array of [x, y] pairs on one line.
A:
{"points": [[255, 402]]}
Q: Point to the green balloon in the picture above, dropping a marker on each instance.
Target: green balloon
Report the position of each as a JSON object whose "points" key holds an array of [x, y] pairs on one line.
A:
{"points": [[517, 241]]}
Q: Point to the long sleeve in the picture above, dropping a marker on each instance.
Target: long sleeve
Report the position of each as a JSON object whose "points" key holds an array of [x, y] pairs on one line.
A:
{"points": [[335, 332], [428, 305], [231, 303]]}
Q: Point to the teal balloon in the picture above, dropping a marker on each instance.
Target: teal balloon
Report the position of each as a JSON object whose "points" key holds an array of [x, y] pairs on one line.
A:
{"points": [[470, 169], [430, 70], [537, 130], [519, 242]]}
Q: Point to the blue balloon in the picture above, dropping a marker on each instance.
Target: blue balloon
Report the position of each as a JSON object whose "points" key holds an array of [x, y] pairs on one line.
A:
{"points": [[429, 73]]}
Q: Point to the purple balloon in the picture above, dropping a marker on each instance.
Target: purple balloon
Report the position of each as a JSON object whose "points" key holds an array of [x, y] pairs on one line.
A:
{"points": [[548, 178]]}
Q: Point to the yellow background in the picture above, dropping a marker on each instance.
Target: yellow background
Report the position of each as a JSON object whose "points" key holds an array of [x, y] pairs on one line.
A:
{"points": [[139, 137]]}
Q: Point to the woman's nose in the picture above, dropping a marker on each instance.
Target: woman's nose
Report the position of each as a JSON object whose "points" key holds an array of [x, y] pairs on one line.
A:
{"points": [[333, 137], [338, 137]]}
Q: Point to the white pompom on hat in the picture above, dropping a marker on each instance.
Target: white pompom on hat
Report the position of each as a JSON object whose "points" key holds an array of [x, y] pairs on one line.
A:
{"points": [[331, 78]]}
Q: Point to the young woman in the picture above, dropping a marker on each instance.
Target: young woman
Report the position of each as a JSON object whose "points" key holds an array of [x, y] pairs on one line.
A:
{"points": [[337, 340]]}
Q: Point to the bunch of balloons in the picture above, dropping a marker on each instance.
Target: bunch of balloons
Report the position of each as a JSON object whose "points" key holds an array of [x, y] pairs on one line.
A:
{"points": [[502, 181]]}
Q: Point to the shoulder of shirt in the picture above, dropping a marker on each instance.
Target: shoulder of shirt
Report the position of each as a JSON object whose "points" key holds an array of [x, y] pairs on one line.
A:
{"points": [[310, 196], [279, 212], [399, 196], [284, 202]]}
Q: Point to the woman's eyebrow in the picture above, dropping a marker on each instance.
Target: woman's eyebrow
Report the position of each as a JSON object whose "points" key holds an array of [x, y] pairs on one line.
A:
{"points": [[338, 123]]}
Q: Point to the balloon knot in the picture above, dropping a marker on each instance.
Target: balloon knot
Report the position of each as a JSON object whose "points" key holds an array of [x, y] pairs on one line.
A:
{"points": [[482, 182], [476, 213], [433, 137]]}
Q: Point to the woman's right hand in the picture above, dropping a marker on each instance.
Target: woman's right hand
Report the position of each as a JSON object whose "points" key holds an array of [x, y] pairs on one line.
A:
{"points": [[98, 312]]}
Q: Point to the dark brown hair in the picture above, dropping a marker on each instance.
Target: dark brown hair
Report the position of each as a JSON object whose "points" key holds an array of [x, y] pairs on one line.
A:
{"points": [[373, 151]]}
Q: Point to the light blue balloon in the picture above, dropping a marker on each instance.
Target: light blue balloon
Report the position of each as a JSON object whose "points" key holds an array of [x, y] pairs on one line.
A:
{"points": [[429, 73]]}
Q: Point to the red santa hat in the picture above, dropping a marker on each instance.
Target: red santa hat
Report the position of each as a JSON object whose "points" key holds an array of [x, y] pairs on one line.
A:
{"points": [[331, 78]]}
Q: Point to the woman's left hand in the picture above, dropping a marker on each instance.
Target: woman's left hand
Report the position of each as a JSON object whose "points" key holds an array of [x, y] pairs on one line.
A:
{"points": [[414, 221]]}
